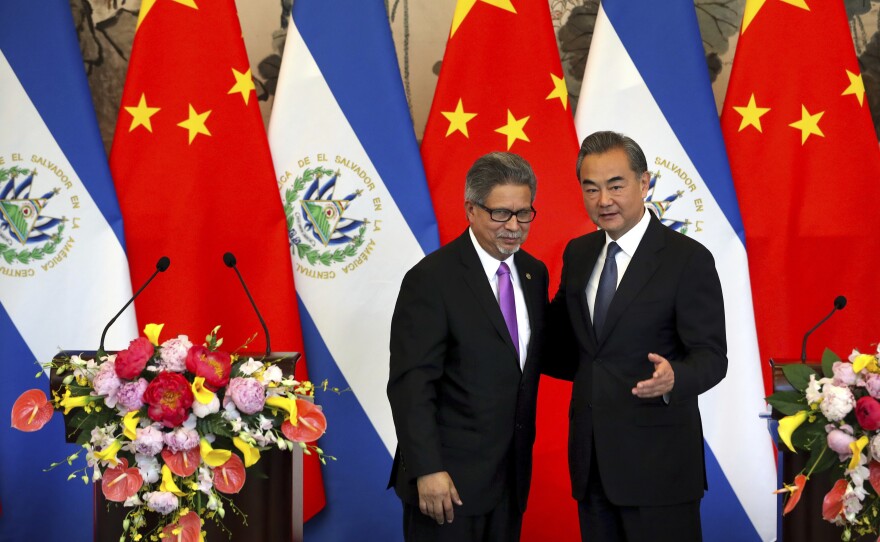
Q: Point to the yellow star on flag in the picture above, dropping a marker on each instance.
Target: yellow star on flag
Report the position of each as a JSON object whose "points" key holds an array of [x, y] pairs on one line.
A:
{"points": [[195, 123], [140, 114], [244, 84], [751, 114], [458, 120], [560, 90], [463, 8], [514, 129], [808, 125], [754, 6], [856, 86], [147, 5]]}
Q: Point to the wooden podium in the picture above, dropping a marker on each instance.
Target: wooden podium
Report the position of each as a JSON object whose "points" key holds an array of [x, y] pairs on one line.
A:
{"points": [[271, 498]]}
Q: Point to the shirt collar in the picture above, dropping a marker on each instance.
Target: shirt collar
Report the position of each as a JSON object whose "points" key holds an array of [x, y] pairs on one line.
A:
{"points": [[490, 264], [630, 240]]}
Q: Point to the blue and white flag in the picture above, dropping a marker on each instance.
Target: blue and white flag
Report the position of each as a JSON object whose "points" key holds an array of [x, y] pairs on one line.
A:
{"points": [[359, 216], [63, 272], [646, 77]]}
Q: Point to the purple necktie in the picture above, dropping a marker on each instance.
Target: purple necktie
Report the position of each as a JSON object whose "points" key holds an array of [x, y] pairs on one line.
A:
{"points": [[507, 303]]}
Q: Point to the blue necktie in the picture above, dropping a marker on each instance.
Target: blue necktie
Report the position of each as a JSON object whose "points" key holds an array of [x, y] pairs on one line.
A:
{"points": [[507, 302], [607, 287]]}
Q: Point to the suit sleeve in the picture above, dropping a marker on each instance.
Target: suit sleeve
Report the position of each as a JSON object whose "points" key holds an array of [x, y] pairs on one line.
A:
{"points": [[699, 311], [418, 349], [559, 355]]}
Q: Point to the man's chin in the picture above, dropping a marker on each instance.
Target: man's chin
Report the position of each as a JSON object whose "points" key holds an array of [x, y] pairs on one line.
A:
{"points": [[508, 250]]}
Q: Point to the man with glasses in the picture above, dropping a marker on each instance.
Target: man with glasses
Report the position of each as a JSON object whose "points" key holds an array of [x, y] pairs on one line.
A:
{"points": [[464, 374]]}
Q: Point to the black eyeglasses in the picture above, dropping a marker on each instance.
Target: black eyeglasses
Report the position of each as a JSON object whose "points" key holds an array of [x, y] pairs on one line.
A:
{"points": [[523, 216]]}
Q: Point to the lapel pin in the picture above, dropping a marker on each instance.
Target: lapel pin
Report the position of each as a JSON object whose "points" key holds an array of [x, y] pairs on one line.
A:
{"points": [[529, 276]]}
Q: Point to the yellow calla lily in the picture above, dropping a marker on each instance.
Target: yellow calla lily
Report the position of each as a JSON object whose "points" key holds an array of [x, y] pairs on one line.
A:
{"points": [[251, 453], [857, 448], [201, 393], [168, 483], [109, 453], [152, 332], [284, 403], [865, 361], [129, 425], [212, 457], [788, 424], [68, 403]]}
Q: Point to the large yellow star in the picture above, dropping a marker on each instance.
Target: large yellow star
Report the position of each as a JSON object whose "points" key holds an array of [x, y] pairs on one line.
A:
{"points": [[147, 5], [560, 90], [754, 6], [514, 129], [751, 114], [195, 123], [856, 86], [140, 114], [458, 120], [808, 125], [244, 84], [463, 8]]}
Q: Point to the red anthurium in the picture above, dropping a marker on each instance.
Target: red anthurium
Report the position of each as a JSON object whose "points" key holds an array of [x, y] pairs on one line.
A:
{"points": [[188, 529], [311, 423], [795, 493], [229, 477], [31, 411], [121, 482], [182, 463], [832, 505], [874, 475]]}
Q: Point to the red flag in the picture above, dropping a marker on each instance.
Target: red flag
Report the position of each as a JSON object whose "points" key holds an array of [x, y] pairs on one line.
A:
{"points": [[195, 179], [502, 88], [805, 163]]}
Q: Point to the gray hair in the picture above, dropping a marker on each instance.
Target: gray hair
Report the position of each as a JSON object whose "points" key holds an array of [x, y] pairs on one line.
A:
{"points": [[602, 142], [497, 168]]}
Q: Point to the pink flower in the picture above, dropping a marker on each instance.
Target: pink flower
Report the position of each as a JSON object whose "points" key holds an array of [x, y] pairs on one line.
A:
{"points": [[172, 354], [131, 361], [106, 383], [148, 440], [868, 413], [872, 385], [161, 502], [248, 394], [838, 401], [131, 394], [181, 439], [843, 373], [839, 440]]}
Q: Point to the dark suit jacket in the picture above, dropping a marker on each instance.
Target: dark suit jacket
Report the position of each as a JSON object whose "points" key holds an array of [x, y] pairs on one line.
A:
{"points": [[459, 399], [669, 302]]}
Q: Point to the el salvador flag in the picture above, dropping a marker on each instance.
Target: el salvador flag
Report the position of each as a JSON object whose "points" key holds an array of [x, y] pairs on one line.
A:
{"points": [[646, 77], [359, 216], [63, 272]]}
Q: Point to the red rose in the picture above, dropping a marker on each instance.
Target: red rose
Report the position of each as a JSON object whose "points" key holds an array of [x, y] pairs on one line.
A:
{"points": [[131, 361], [169, 396], [214, 367], [868, 413]]}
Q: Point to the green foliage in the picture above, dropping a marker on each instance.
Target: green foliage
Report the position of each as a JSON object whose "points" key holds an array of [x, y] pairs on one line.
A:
{"points": [[828, 359], [798, 375], [788, 402], [25, 256]]}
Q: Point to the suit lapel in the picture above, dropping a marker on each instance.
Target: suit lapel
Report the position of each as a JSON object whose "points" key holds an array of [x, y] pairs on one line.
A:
{"points": [[531, 288], [582, 265]]}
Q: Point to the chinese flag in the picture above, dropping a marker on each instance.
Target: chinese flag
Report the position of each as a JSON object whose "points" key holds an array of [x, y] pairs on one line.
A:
{"points": [[501, 88], [806, 166], [195, 180]]}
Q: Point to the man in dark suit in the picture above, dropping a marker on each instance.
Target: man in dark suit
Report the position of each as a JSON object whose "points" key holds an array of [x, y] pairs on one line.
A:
{"points": [[464, 373], [638, 325]]}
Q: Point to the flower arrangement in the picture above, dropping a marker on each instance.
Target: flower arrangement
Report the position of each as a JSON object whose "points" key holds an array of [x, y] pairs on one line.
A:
{"points": [[835, 418], [171, 428]]}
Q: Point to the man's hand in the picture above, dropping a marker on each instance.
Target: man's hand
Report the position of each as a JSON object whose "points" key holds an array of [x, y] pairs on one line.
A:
{"points": [[660, 383], [437, 493]]}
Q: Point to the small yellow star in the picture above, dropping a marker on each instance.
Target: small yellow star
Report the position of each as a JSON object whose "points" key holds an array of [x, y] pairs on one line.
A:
{"points": [[514, 129], [751, 114], [195, 123], [856, 86], [560, 90], [140, 114], [458, 120], [244, 84], [754, 6], [147, 5], [808, 125], [463, 8]]}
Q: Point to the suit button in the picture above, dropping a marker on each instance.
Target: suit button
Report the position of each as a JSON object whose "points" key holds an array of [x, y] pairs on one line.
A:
{"points": [[519, 426], [598, 360]]}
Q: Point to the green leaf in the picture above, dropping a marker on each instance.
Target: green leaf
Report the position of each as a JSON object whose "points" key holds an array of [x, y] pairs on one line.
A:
{"points": [[821, 459], [798, 375], [828, 359], [788, 402]]}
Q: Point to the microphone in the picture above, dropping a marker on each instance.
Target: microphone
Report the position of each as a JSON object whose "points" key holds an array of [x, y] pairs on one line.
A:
{"points": [[161, 266], [839, 303], [229, 260]]}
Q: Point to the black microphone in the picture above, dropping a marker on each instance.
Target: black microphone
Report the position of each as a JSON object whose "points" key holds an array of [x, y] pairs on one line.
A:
{"points": [[161, 266], [839, 303], [229, 260]]}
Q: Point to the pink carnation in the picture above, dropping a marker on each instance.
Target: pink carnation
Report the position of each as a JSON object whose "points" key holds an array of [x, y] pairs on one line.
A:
{"points": [[843, 374], [839, 440], [182, 439], [172, 356], [106, 383], [248, 394], [131, 361], [161, 502], [148, 440], [872, 385], [131, 394]]}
